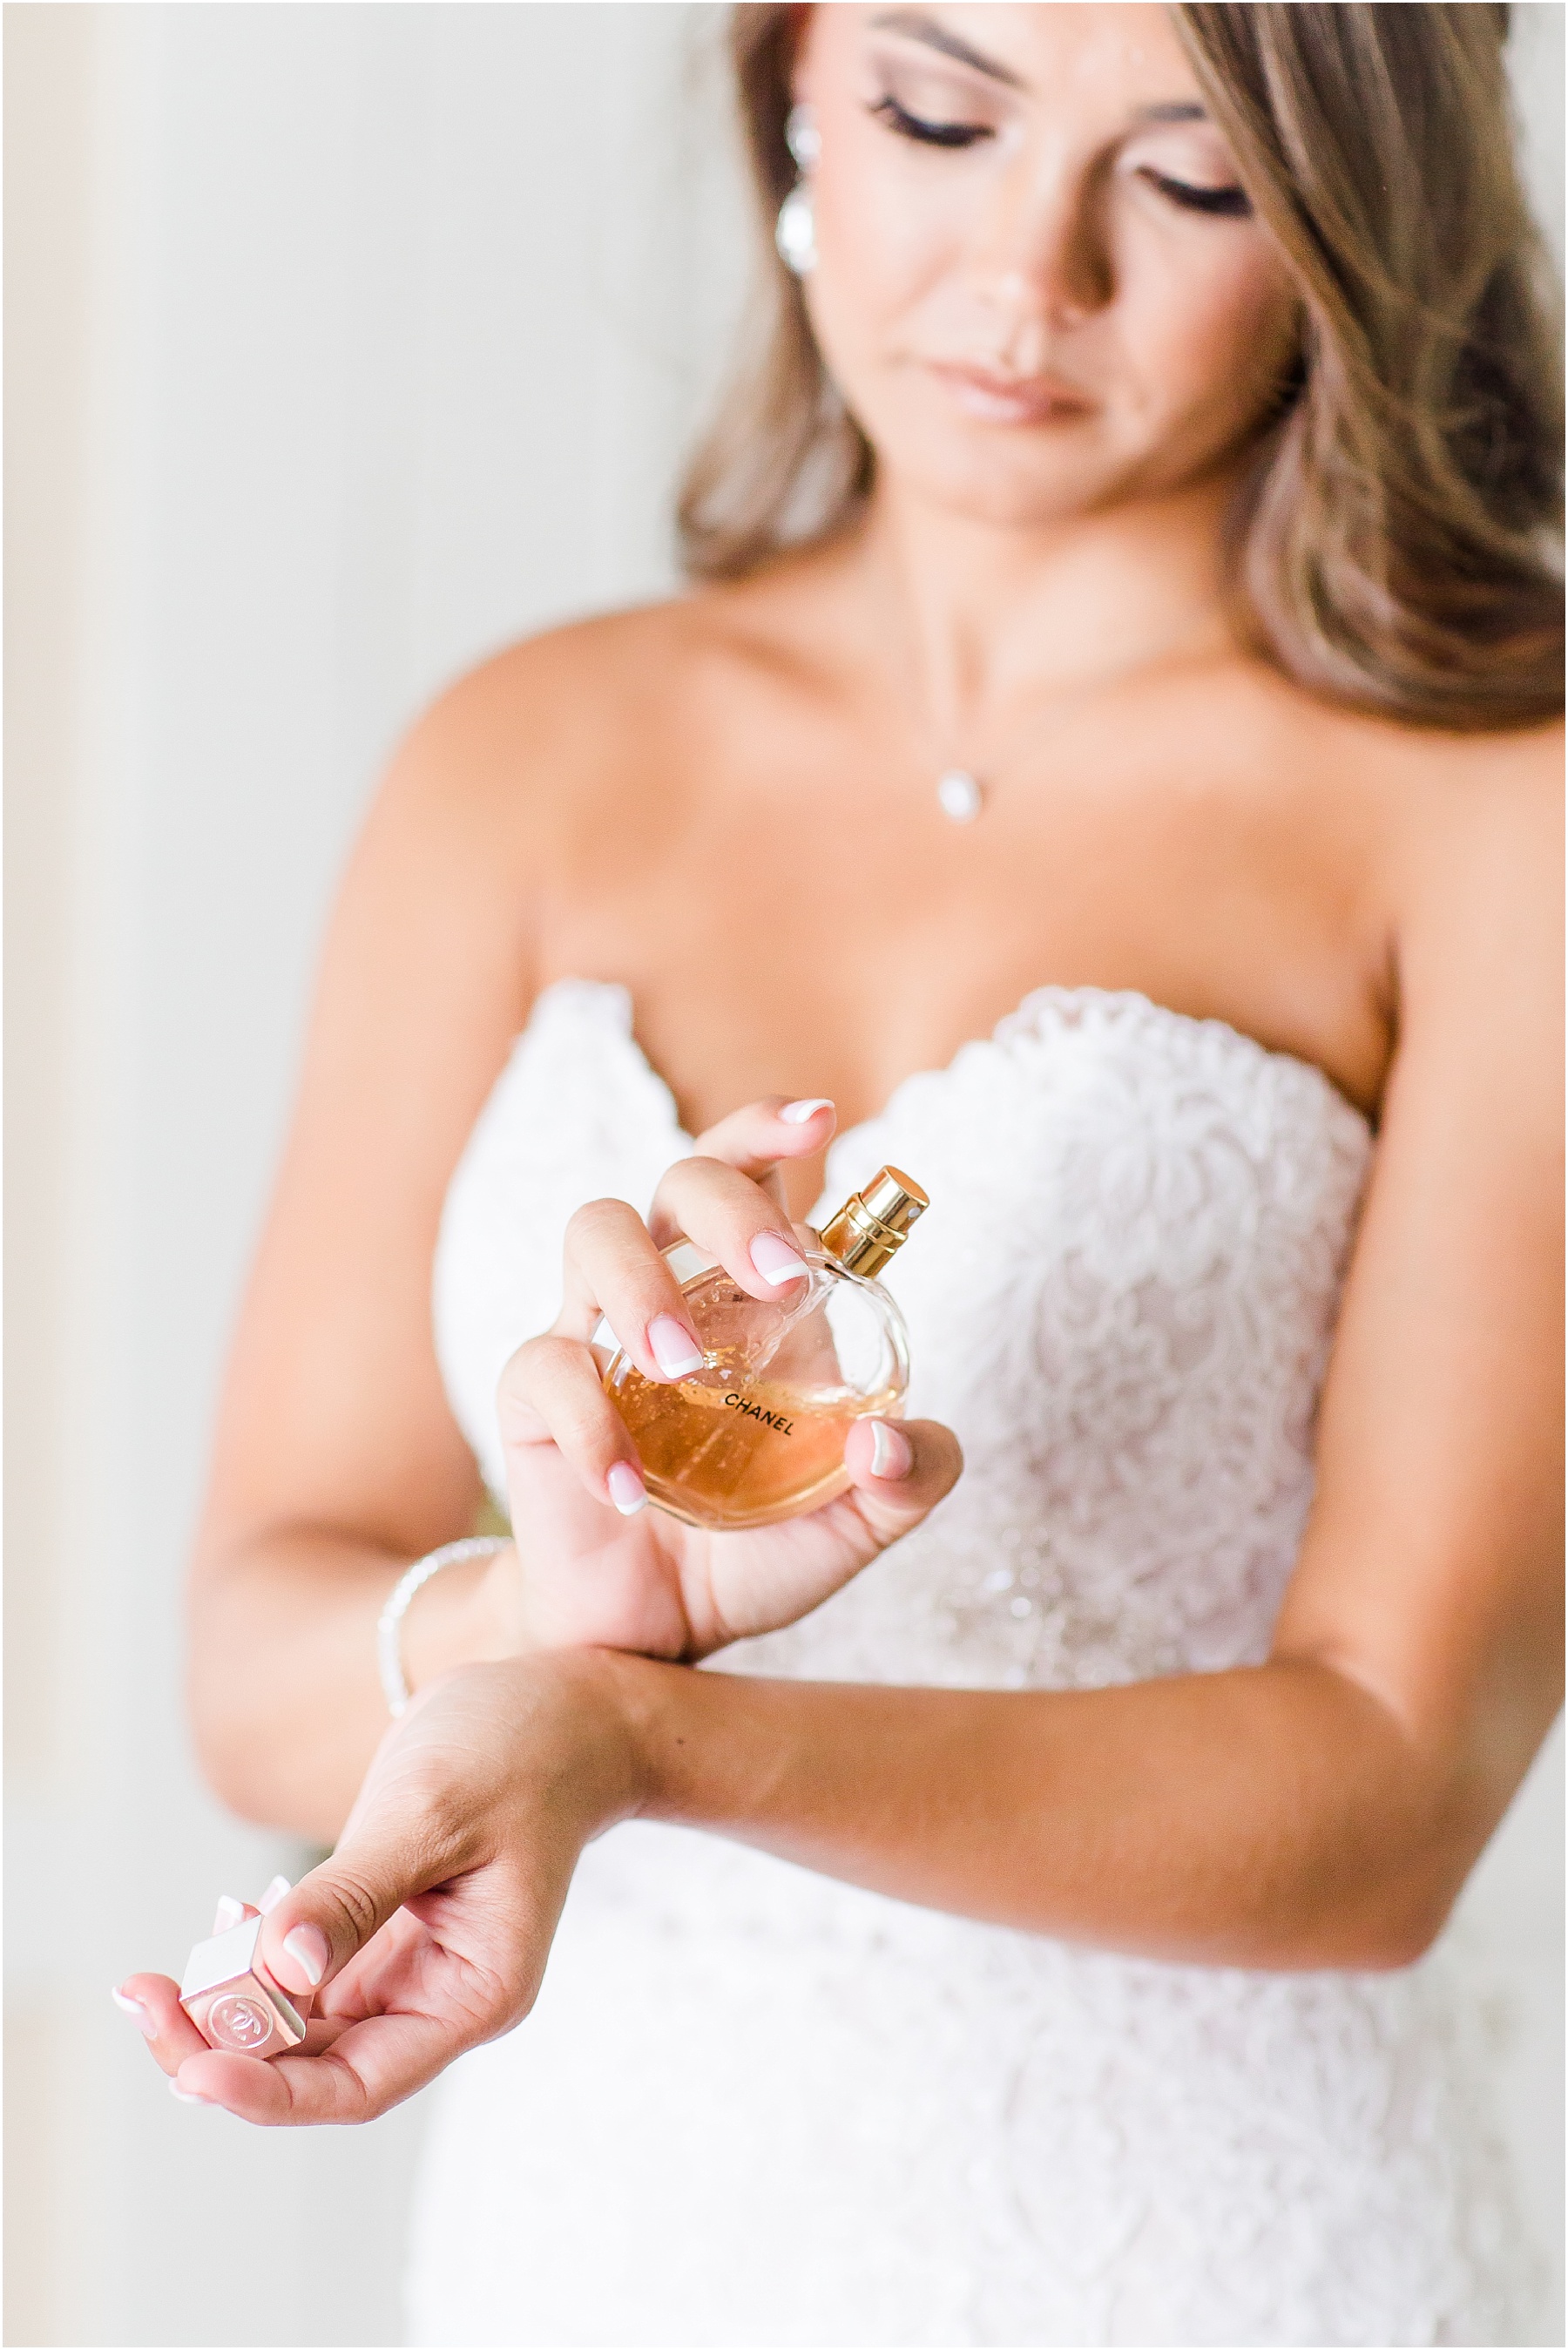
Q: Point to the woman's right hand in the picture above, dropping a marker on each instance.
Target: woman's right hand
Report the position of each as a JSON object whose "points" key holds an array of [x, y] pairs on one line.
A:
{"points": [[427, 1931], [593, 1565]]}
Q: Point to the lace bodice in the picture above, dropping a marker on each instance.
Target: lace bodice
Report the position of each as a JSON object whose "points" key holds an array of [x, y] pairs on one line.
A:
{"points": [[1122, 1300]]}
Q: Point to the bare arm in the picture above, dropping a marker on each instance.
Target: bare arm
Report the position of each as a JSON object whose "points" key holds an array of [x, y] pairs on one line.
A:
{"points": [[1269, 1817], [337, 1459]]}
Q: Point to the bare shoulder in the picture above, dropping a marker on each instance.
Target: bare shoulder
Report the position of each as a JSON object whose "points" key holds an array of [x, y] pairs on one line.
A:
{"points": [[501, 731], [1467, 844], [1473, 787], [1432, 818], [1476, 866], [552, 729], [1416, 774], [1476, 843]]}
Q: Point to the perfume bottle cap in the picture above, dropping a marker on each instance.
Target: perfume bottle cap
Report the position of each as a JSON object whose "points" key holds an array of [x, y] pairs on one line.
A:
{"points": [[873, 1224], [233, 2000]]}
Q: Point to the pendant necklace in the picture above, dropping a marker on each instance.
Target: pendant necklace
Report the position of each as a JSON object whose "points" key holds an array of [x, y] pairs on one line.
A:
{"points": [[959, 795]]}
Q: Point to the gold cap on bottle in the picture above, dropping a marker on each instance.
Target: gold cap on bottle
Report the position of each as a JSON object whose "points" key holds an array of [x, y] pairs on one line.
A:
{"points": [[873, 1224]]}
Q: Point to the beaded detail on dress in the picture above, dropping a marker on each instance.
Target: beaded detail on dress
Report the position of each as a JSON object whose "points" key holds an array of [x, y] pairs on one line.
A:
{"points": [[757, 2106]]}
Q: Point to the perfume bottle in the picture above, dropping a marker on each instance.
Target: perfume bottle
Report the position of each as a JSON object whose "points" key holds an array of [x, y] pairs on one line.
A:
{"points": [[757, 1434]]}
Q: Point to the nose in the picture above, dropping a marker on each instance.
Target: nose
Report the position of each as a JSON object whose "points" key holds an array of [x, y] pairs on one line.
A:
{"points": [[1041, 255]]}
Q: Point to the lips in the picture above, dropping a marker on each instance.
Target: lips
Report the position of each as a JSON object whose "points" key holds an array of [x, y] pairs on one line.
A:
{"points": [[997, 398]]}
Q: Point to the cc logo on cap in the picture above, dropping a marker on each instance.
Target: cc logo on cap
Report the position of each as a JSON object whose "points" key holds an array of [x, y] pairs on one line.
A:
{"points": [[239, 2023]]}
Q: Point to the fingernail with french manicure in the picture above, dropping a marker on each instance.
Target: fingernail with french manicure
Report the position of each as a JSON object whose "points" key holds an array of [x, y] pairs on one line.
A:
{"points": [[797, 1113], [672, 1348], [129, 2006], [890, 1453], [273, 1895], [775, 1259], [626, 1489], [187, 2096], [308, 1949], [229, 1913]]}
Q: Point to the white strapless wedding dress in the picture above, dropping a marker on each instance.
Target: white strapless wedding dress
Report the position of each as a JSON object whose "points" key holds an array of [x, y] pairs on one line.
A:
{"points": [[756, 2106]]}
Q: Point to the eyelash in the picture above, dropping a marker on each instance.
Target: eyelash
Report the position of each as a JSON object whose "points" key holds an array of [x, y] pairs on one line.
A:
{"points": [[1224, 204], [906, 125]]}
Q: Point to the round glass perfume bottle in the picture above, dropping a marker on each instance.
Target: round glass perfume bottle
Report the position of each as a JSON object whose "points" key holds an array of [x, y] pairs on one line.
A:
{"points": [[757, 1434]]}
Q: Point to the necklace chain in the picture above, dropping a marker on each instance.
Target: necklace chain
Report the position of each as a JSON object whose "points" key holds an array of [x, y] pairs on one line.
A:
{"points": [[962, 795]]}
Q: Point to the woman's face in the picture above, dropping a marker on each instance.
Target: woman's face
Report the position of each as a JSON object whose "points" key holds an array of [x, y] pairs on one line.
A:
{"points": [[1039, 287]]}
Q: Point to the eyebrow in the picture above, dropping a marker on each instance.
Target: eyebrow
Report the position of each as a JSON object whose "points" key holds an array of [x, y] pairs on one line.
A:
{"points": [[916, 26]]}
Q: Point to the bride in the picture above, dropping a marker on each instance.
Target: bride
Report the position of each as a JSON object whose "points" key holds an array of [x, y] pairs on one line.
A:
{"points": [[1104, 765]]}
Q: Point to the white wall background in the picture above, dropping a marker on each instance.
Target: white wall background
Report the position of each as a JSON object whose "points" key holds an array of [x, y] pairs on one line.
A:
{"points": [[343, 344]]}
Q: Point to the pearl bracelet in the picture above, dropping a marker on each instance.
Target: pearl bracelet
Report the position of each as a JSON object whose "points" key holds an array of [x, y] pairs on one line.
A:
{"points": [[390, 1628]]}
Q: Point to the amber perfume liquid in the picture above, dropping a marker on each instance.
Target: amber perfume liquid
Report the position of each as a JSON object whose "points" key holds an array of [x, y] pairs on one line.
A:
{"points": [[755, 1451], [758, 1433]]}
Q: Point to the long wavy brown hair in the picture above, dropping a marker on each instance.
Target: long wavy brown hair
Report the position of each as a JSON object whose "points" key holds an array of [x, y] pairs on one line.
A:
{"points": [[1394, 540]]}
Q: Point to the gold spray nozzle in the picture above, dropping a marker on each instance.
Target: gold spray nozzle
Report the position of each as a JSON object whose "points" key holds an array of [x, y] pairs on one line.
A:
{"points": [[873, 1224]]}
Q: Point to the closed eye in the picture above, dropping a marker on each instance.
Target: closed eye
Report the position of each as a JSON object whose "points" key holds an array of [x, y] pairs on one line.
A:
{"points": [[1229, 202], [929, 134]]}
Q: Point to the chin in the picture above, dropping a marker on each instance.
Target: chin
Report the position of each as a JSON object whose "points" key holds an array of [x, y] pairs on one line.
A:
{"points": [[1023, 486]]}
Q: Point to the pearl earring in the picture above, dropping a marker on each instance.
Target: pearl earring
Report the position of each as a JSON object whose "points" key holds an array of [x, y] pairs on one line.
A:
{"points": [[796, 231], [802, 136]]}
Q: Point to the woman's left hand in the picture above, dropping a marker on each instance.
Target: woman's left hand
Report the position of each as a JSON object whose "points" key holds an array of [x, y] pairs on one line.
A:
{"points": [[427, 1931]]}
